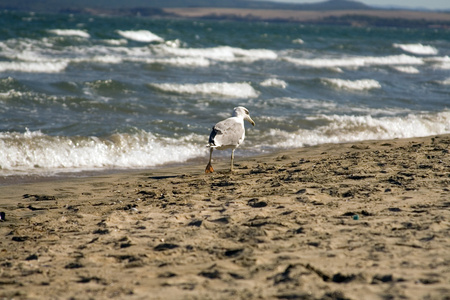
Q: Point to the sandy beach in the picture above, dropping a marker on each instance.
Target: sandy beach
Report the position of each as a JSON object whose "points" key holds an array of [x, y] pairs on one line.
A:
{"points": [[366, 220]]}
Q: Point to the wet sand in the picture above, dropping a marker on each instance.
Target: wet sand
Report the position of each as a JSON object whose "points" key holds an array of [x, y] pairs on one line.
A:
{"points": [[365, 220]]}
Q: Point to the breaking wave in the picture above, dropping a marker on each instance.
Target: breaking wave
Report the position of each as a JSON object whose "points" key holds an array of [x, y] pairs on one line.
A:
{"points": [[348, 128], [274, 83], [356, 85], [144, 36], [34, 67], [417, 49], [358, 61], [70, 32], [35, 152], [234, 90], [222, 53], [406, 69]]}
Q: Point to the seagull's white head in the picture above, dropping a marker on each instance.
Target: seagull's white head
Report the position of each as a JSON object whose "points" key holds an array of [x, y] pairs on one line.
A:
{"points": [[242, 112]]}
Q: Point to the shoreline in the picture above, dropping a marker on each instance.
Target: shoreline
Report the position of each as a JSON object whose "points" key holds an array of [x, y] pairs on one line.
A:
{"points": [[328, 221], [36, 178]]}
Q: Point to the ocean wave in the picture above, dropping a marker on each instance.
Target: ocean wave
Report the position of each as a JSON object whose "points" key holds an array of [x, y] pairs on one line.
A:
{"points": [[37, 153], [406, 69], [234, 90], [349, 128], [274, 83], [442, 62], [298, 41], [358, 61], [356, 85], [70, 32], [417, 49], [144, 36], [222, 53], [180, 61], [115, 42], [48, 58], [34, 67], [444, 82], [11, 94]]}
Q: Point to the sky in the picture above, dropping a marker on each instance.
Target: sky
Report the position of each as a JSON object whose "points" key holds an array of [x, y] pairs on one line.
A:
{"points": [[428, 4]]}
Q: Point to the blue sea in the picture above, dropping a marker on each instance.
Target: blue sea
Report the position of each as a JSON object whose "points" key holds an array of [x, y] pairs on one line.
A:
{"points": [[99, 93]]}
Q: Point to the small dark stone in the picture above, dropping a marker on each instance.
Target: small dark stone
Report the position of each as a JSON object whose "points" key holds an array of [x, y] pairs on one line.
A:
{"points": [[300, 230], [215, 274], [394, 209], [223, 220], [148, 194], [233, 252], [39, 197], [255, 203], [167, 274], [20, 238], [165, 246], [340, 278], [73, 265], [32, 257], [382, 278], [348, 194], [196, 223]]}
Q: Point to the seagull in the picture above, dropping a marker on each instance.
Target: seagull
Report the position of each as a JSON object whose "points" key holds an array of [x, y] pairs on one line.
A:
{"points": [[228, 134]]}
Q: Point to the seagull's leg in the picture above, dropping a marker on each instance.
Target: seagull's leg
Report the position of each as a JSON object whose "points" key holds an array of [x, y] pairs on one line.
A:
{"points": [[232, 159], [209, 168]]}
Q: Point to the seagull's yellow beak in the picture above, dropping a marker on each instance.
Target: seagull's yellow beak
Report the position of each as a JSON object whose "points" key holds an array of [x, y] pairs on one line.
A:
{"points": [[250, 120]]}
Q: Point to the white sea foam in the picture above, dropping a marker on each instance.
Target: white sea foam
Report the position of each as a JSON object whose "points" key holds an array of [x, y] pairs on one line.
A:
{"points": [[50, 59], [34, 152], [295, 104], [11, 94], [223, 53], [406, 69], [274, 82], [181, 61], [70, 32], [116, 42], [349, 128], [417, 49], [356, 61], [439, 62], [140, 36], [106, 59], [444, 82], [234, 90], [33, 67], [357, 85]]}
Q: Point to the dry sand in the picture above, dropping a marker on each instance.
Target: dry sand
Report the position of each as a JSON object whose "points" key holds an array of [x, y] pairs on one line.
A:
{"points": [[363, 220]]}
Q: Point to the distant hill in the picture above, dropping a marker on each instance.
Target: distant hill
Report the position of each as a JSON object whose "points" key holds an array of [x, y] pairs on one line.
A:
{"points": [[331, 12], [87, 5]]}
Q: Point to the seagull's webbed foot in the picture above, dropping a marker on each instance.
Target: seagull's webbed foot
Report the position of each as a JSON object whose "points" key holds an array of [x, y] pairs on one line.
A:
{"points": [[209, 169]]}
